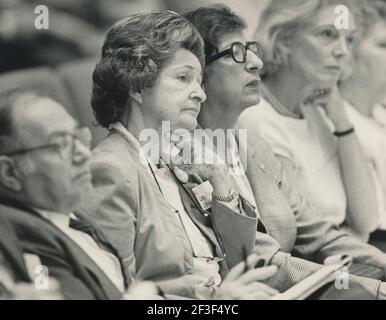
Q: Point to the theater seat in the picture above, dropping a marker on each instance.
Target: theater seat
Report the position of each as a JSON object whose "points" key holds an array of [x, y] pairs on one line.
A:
{"points": [[41, 79], [77, 77]]}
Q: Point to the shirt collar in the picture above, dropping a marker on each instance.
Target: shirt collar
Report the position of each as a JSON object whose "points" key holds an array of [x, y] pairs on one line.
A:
{"points": [[122, 130], [58, 219]]}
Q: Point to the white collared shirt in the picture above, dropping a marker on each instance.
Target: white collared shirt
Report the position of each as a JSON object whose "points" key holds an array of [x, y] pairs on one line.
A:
{"points": [[106, 261]]}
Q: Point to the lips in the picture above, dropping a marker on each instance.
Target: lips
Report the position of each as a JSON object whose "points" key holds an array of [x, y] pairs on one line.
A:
{"points": [[254, 84], [193, 109], [83, 175], [334, 69]]}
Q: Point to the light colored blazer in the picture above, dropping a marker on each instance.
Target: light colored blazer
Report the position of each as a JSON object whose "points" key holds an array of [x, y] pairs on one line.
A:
{"points": [[127, 204]]}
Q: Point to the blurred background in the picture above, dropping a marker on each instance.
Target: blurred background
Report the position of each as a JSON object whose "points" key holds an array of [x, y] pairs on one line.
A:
{"points": [[76, 27], [59, 61]]}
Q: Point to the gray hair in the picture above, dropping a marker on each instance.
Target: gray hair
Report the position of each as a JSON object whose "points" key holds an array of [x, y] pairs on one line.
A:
{"points": [[283, 20]]}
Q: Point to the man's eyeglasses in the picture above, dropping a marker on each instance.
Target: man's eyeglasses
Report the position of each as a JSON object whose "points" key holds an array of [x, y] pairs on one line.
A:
{"points": [[61, 142], [238, 51]]}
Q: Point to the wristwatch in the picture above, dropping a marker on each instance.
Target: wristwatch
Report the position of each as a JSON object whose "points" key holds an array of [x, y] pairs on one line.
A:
{"points": [[232, 195]]}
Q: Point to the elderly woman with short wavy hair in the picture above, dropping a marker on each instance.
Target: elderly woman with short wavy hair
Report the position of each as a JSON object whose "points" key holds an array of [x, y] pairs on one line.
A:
{"points": [[150, 73], [307, 50]]}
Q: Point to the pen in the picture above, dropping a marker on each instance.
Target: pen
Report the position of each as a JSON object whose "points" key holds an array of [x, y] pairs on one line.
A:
{"points": [[161, 292], [245, 258]]}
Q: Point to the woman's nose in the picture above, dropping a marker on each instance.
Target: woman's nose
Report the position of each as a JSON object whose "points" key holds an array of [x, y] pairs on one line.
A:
{"points": [[198, 93], [342, 47], [253, 63]]}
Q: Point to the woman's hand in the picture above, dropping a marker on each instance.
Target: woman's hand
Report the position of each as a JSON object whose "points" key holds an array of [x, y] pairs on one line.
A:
{"points": [[217, 175], [336, 111], [330, 99], [144, 290], [241, 285], [202, 163]]}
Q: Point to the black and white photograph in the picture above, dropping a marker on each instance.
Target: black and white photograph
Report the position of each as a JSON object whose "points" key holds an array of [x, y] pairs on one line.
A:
{"points": [[190, 154]]}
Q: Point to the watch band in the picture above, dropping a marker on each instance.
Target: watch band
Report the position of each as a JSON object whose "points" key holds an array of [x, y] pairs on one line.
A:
{"points": [[232, 195], [344, 133]]}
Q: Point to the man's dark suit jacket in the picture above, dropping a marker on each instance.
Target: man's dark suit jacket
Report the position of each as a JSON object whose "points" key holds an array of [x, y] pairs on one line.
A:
{"points": [[22, 230]]}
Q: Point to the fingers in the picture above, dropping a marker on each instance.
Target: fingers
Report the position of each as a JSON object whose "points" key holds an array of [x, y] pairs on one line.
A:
{"points": [[257, 274], [257, 296], [252, 261], [142, 290], [184, 143], [235, 272], [257, 287], [181, 175], [239, 269], [313, 92]]}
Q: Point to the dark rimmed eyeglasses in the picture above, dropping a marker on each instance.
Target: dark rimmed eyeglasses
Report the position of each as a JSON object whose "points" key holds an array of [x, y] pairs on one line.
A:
{"points": [[238, 52], [61, 142]]}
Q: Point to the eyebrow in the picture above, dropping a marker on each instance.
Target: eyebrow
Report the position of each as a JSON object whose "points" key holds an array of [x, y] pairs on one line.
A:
{"points": [[351, 29], [189, 67], [330, 25], [228, 45], [76, 126]]}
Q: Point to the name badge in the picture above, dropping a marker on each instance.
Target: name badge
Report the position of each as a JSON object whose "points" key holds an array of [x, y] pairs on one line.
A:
{"points": [[203, 194]]}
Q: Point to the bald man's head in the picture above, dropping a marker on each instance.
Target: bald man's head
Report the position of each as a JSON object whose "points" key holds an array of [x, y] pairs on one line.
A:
{"points": [[14, 106], [7, 101], [44, 155]]}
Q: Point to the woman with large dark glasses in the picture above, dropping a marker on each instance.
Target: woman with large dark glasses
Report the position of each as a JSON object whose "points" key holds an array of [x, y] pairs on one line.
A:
{"points": [[150, 72], [287, 224], [238, 52]]}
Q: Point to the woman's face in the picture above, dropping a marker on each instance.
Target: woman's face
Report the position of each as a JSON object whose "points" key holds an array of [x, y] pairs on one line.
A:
{"points": [[370, 61], [232, 84], [321, 53], [177, 94]]}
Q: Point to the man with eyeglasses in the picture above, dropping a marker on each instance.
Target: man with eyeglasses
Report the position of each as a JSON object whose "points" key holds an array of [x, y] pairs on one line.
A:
{"points": [[44, 173]]}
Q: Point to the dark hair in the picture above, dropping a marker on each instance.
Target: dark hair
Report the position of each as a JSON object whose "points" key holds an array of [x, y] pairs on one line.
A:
{"points": [[212, 22], [7, 101], [135, 50]]}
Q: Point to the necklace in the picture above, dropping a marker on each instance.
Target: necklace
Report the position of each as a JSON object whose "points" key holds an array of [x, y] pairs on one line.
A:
{"points": [[266, 93]]}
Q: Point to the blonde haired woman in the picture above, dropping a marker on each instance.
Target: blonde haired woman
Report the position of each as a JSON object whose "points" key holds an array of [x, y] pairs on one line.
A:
{"points": [[302, 116], [363, 90]]}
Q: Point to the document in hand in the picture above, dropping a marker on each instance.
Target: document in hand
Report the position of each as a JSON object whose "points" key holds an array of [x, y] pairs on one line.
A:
{"points": [[326, 274]]}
